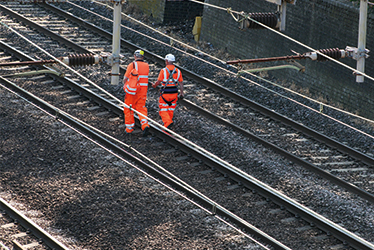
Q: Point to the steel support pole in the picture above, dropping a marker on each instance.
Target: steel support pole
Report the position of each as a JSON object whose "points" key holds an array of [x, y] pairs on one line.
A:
{"points": [[282, 10], [362, 39], [116, 42]]}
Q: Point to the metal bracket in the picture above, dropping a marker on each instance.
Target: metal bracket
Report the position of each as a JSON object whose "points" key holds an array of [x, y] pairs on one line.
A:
{"points": [[214, 209], [279, 2], [356, 53], [109, 59], [118, 1]]}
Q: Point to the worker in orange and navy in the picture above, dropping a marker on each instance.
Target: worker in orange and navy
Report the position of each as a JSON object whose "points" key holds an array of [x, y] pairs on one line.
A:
{"points": [[136, 97], [170, 77]]}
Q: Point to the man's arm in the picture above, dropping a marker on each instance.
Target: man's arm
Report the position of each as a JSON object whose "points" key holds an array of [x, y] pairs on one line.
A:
{"points": [[156, 83], [128, 70], [181, 95]]}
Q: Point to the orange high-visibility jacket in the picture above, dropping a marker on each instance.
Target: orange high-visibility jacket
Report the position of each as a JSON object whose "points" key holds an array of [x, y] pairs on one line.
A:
{"points": [[143, 70]]}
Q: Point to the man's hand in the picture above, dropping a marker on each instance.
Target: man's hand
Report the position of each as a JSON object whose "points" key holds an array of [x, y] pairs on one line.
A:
{"points": [[181, 96], [155, 84]]}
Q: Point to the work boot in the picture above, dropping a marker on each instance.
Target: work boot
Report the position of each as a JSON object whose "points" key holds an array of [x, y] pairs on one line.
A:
{"points": [[170, 125], [146, 132], [129, 131]]}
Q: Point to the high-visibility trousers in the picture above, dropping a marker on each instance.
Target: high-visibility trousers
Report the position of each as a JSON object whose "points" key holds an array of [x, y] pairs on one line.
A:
{"points": [[167, 111], [137, 102]]}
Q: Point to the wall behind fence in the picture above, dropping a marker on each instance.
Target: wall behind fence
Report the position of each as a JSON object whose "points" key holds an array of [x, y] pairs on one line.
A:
{"points": [[154, 8], [320, 24], [169, 11]]}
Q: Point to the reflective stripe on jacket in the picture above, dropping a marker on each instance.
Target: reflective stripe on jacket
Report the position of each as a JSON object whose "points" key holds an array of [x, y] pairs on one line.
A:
{"points": [[172, 82]]}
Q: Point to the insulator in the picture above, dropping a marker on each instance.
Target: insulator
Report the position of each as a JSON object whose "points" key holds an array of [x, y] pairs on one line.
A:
{"points": [[269, 19], [81, 59], [333, 53]]}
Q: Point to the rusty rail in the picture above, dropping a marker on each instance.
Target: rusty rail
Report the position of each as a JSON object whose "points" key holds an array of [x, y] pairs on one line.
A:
{"points": [[41, 62]]}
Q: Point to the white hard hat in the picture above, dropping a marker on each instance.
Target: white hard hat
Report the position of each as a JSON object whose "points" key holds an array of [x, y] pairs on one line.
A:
{"points": [[170, 58], [139, 53]]}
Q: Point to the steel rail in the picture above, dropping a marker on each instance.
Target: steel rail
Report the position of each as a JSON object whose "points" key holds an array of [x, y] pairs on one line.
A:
{"points": [[243, 178], [250, 182], [57, 37], [327, 226], [209, 83], [31, 226], [41, 62], [214, 208], [309, 166], [98, 99], [236, 174]]}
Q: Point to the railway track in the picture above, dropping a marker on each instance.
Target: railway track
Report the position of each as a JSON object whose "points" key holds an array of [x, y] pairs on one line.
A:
{"points": [[19, 232], [182, 157], [216, 208], [332, 156]]}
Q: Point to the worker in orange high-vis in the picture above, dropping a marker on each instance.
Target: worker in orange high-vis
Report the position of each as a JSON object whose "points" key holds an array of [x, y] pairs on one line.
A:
{"points": [[169, 78], [136, 97]]}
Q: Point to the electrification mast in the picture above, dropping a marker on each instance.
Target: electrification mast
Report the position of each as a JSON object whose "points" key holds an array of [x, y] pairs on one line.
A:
{"points": [[116, 43]]}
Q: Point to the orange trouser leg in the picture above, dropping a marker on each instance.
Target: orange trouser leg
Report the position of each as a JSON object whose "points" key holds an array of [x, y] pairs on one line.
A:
{"points": [[166, 110], [141, 108], [129, 115]]}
